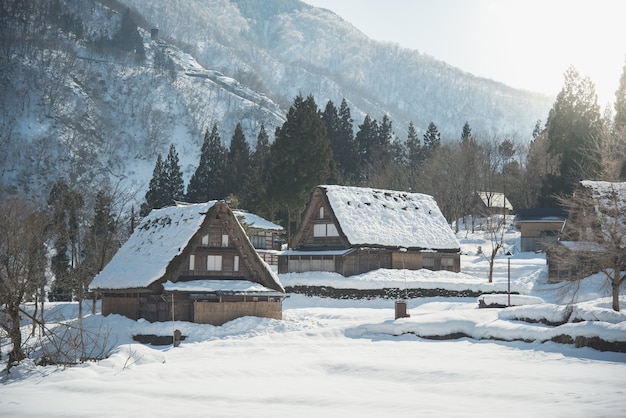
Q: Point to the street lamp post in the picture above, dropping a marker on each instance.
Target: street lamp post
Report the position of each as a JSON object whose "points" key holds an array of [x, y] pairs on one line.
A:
{"points": [[508, 257]]}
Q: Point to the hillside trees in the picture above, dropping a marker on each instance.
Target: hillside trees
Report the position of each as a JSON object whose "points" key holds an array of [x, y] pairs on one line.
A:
{"points": [[301, 158], [23, 230]]}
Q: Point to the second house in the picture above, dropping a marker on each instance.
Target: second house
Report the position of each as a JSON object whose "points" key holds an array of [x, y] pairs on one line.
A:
{"points": [[352, 230]]}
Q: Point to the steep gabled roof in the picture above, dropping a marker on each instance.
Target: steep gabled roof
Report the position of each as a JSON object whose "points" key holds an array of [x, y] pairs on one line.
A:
{"points": [[151, 252], [389, 218]]}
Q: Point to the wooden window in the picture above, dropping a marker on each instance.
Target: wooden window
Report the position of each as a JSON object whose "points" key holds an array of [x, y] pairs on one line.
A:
{"points": [[428, 263], [236, 263], [319, 230], [447, 263], [325, 230], [322, 212], [192, 262], [205, 240], [224, 240], [214, 262], [258, 241]]}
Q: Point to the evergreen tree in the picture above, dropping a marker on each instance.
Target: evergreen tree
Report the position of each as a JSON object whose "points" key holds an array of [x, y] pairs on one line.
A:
{"points": [[157, 195], [300, 157], [339, 132], [414, 149], [256, 198], [207, 183], [345, 136], [67, 205], [101, 242], [432, 138], [620, 103], [574, 132], [174, 184], [466, 133], [367, 140], [238, 167]]}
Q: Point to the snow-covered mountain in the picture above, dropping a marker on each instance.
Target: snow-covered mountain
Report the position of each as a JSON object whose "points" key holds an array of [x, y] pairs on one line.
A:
{"points": [[69, 110]]}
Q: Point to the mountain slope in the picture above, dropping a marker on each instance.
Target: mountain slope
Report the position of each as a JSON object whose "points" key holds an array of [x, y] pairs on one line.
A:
{"points": [[97, 115]]}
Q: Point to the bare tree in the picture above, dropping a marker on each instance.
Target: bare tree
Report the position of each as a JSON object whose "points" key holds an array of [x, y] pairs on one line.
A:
{"points": [[597, 221], [22, 264]]}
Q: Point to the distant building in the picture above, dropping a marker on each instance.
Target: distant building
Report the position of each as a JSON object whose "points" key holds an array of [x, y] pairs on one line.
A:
{"points": [[189, 263], [494, 203], [352, 230], [266, 237], [539, 227]]}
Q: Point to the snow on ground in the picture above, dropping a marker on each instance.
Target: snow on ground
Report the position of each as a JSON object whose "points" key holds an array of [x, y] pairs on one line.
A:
{"points": [[351, 358]]}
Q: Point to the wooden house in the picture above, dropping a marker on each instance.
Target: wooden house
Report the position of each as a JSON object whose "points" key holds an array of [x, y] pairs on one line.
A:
{"points": [[266, 237], [539, 228], [572, 260], [190, 262], [593, 238], [352, 230]]}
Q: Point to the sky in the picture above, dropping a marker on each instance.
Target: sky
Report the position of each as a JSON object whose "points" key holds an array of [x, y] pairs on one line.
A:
{"points": [[527, 44]]}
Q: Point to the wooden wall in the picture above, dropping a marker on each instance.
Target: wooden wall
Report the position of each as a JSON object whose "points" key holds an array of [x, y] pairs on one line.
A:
{"points": [[218, 313], [127, 305]]}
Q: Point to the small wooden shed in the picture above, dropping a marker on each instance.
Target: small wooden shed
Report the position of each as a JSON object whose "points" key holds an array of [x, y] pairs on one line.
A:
{"points": [[352, 230], [190, 262], [539, 227]]}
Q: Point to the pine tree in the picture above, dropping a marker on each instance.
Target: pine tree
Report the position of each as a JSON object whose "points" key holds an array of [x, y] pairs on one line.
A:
{"points": [[620, 103], [256, 198], [300, 157], [174, 184], [238, 167], [367, 140], [432, 137], [414, 149], [345, 136], [156, 196], [574, 132], [466, 133], [207, 183], [67, 205], [340, 134]]}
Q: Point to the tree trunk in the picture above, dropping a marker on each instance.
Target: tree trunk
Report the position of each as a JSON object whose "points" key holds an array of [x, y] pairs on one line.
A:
{"points": [[615, 285], [15, 335]]}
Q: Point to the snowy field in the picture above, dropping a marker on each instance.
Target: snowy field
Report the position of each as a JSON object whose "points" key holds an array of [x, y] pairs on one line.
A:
{"points": [[339, 358]]}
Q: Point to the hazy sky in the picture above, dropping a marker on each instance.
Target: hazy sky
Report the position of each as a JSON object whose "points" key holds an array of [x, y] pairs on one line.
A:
{"points": [[526, 44]]}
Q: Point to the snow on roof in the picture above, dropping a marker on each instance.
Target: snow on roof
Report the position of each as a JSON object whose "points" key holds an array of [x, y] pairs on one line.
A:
{"points": [[217, 286], [495, 200], [255, 221], [612, 196], [161, 236], [583, 246], [390, 218]]}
